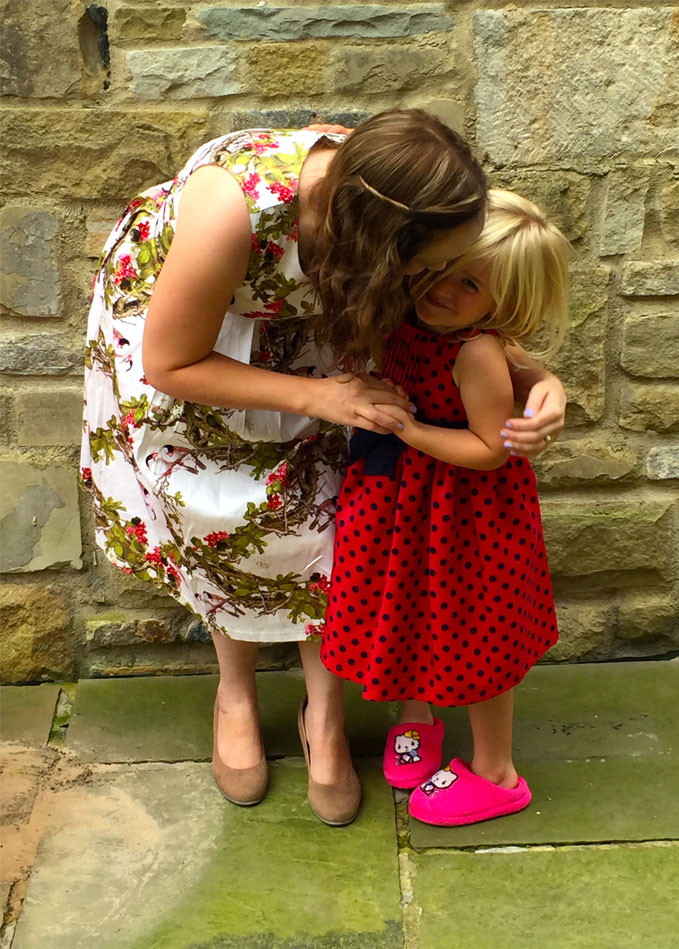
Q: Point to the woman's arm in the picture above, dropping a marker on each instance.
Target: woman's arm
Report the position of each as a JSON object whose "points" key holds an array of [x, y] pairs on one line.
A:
{"points": [[545, 404], [485, 387], [206, 263]]}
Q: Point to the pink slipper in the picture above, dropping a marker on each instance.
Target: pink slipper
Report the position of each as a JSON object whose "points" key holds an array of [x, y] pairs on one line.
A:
{"points": [[412, 752], [455, 795]]}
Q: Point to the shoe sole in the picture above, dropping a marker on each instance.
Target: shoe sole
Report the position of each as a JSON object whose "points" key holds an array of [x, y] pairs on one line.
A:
{"points": [[334, 823], [232, 800], [410, 786], [476, 819]]}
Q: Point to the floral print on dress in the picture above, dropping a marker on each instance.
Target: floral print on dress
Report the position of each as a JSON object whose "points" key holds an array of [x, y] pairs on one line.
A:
{"points": [[229, 511]]}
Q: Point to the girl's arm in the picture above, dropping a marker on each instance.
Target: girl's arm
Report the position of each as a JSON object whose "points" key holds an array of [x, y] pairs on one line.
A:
{"points": [[545, 404], [482, 376], [206, 263]]}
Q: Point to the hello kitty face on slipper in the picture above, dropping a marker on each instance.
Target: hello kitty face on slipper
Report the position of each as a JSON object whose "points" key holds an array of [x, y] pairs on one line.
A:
{"points": [[405, 747], [439, 781]]}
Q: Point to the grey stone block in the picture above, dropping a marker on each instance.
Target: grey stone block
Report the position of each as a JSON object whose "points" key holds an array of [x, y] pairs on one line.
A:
{"points": [[25, 69], [647, 616], [49, 416], [39, 356], [647, 407], [581, 461], [449, 111], [39, 518], [121, 627], [100, 155], [575, 84], [585, 632], [381, 68], [294, 118], [669, 209], [564, 195], [581, 362], [663, 463], [653, 278], [600, 536], [650, 345], [624, 213], [29, 278], [193, 72], [368, 21]]}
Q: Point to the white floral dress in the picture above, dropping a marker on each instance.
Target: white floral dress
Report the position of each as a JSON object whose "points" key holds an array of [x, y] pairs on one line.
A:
{"points": [[230, 511]]}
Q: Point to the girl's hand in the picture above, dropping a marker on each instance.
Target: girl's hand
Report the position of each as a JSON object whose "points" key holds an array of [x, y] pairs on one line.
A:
{"points": [[360, 400], [403, 422], [544, 414]]}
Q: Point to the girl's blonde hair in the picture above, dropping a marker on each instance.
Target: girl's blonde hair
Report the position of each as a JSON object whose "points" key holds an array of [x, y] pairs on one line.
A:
{"points": [[399, 178], [528, 261]]}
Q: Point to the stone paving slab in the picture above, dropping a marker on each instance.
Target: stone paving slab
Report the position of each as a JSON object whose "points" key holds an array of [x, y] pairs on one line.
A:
{"points": [[588, 710], [154, 718], [563, 712], [600, 898], [26, 712], [602, 800], [152, 857], [166, 718]]}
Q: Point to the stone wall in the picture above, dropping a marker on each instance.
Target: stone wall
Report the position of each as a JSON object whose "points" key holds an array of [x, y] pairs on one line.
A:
{"points": [[575, 105]]}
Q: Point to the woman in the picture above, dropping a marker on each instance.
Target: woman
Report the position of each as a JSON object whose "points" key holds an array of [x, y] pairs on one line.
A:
{"points": [[216, 411]]}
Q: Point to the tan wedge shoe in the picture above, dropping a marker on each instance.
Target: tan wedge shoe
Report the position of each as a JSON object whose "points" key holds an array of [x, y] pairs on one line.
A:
{"points": [[242, 786], [334, 804]]}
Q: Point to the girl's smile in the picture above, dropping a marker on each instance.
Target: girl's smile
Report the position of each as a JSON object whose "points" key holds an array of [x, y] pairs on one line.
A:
{"points": [[459, 300]]}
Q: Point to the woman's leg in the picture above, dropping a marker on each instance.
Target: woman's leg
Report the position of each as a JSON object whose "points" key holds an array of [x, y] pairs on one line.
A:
{"points": [[491, 723], [240, 742], [324, 719], [414, 711]]}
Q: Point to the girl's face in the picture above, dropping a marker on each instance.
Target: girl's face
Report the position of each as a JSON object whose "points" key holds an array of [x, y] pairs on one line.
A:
{"points": [[445, 247], [462, 299]]}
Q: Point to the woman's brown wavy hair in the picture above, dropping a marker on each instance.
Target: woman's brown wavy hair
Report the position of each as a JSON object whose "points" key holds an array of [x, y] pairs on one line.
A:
{"points": [[394, 182]]}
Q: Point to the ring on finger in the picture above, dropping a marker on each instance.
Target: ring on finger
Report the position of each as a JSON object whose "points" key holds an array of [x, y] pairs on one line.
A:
{"points": [[548, 440]]}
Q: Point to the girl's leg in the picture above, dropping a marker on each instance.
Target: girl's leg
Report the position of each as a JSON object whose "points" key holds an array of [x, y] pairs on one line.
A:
{"points": [[324, 719], [414, 711], [240, 742], [491, 723]]}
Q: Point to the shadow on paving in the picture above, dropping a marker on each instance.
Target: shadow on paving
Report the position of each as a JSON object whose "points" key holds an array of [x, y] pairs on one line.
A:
{"points": [[151, 857]]}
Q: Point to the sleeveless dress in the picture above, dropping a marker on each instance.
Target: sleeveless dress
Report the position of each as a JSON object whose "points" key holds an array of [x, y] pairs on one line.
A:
{"points": [[231, 512], [440, 590]]}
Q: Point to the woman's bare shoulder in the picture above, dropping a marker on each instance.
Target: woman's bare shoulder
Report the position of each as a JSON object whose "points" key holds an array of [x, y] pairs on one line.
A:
{"points": [[211, 189]]}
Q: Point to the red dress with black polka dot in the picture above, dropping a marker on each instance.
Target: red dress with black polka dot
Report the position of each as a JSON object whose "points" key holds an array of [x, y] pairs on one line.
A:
{"points": [[440, 586]]}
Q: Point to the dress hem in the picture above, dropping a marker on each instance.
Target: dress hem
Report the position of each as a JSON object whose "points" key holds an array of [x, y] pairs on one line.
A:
{"points": [[426, 698]]}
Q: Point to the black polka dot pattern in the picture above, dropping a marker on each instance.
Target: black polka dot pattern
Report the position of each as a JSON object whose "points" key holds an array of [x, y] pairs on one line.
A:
{"points": [[440, 589]]}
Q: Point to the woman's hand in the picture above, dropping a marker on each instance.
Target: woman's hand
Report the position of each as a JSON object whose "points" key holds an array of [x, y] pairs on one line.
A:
{"points": [[360, 400], [544, 415], [330, 129]]}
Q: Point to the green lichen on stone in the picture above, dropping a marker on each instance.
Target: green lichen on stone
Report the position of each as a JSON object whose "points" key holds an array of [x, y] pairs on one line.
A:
{"points": [[62, 713], [277, 877], [390, 938]]}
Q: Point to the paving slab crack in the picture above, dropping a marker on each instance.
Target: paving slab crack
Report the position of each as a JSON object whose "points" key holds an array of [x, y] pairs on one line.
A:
{"points": [[7, 934], [410, 911], [544, 847]]}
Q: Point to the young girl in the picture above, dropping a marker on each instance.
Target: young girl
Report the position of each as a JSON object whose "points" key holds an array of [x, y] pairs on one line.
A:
{"points": [[440, 589]]}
